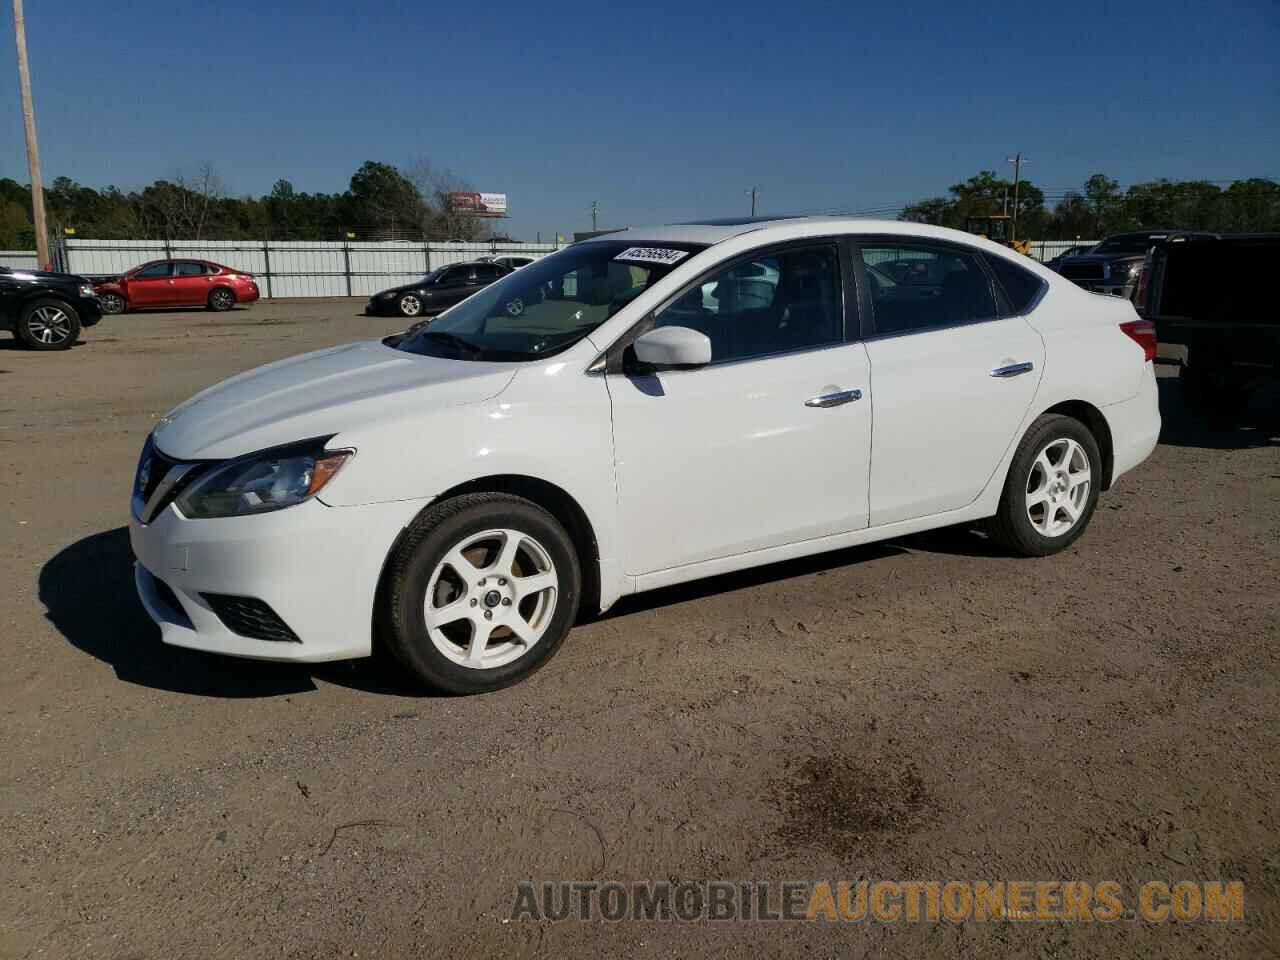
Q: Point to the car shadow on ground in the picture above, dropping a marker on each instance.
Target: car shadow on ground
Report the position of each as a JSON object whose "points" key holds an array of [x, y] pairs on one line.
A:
{"points": [[13, 343], [1185, 425], [89, 596]]}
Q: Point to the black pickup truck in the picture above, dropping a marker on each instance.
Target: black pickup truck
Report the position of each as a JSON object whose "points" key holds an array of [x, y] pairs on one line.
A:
{"points": [[1206, 293], [46, 311], [1114, 265]]}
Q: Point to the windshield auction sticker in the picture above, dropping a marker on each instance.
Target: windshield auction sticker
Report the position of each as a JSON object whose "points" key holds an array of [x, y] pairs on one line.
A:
{"points": [[656, 255]]}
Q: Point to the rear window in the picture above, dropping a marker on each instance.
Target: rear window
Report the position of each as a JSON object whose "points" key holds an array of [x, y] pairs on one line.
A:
{"points": [[1020, 286]]}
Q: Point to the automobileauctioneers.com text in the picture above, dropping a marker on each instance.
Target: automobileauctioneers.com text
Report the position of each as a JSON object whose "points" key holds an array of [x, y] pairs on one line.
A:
{"points": [[883, 901]]}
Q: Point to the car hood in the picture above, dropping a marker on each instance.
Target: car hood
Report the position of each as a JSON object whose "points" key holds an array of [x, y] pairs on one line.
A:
{"points": [[404, 288], [321, 393], [45, 276]]}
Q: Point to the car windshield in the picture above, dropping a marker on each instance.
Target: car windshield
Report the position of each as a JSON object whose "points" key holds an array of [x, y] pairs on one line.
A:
{"points": [[547, 306], [1127, 244]]}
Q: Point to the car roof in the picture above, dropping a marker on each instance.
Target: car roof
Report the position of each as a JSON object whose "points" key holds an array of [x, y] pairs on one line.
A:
{"points": [[711, 232]]}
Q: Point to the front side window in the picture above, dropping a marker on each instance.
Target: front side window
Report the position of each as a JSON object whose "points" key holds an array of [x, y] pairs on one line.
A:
{"points": [[548, 306], [917, 287], [454, 276], [155, 271], [785, 301]]}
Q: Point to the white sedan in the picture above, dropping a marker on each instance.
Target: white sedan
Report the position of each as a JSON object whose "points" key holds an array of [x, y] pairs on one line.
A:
{"points": [[637, 410]]}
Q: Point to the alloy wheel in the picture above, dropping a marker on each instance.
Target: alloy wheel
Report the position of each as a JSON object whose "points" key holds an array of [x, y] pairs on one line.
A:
{"points": [[49, 325], [112, 303], [1058, 487], [491, 598], [410, 305], [223, 300]]}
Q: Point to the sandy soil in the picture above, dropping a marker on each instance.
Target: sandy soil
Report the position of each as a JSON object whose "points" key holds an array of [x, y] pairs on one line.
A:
{"points": [[922, 709]]}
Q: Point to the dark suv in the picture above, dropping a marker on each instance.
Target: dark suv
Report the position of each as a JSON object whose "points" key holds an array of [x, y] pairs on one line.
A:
{"points": [[46, 311], [1230, 330], [1114, 266]]}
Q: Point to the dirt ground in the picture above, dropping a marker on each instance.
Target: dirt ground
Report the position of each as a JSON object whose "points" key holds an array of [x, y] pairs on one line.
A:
{"points": [[922, 709]]}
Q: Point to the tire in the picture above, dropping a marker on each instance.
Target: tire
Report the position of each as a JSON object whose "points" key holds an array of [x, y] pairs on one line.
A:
{"points": [[458, 552], [410, 305], [1048, 467], [221, 299], [48, 324], [112, 303]]}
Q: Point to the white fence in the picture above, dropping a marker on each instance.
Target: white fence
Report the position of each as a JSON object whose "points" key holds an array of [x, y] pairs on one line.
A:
{"points": [[19, 259], [320, 268], [296, 268]]}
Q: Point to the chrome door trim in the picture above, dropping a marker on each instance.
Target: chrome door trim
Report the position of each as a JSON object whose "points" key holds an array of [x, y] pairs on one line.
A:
{"points": [[834, 399], [1013, 370]]}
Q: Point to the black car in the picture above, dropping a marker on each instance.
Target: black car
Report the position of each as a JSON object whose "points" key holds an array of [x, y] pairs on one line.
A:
{"points": [[1230, 331], [46, 311], [438, 290], [1114, 266]]}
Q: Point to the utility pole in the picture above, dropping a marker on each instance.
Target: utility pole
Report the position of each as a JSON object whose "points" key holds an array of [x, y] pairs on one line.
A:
{"points": [[33, 150], [1017, 160], [595, 207], [755, 192]]}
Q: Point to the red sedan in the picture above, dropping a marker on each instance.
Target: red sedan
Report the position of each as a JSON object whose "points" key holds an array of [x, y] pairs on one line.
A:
{"points": [[177, 283]]}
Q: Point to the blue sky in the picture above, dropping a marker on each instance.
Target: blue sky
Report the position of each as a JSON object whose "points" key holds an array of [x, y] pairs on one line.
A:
{"points": [[659, 111]]}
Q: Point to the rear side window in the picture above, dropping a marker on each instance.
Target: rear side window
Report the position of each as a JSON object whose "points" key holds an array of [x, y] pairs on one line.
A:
{"points": [[186, 269], [921, 287], [1020, 286]]}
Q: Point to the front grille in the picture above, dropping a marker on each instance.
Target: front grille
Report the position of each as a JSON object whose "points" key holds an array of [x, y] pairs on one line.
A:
{"points": [[250, 617], [1082, 271], [160, 465]]}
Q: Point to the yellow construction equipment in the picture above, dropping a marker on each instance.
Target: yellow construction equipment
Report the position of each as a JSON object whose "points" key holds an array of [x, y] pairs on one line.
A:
{"points": [[998, 228]]}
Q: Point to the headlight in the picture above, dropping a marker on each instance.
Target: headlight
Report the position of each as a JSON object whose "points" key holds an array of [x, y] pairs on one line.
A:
{"points": [[262, 482], [1126, 270], [86, 290], [389, 295]]}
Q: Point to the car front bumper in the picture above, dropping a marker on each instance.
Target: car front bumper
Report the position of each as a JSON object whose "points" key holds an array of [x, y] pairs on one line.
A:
{"points": [[316, 567]]}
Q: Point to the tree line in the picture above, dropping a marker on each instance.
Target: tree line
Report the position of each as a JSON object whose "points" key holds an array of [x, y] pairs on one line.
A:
{"points": [[1101, 207], [381, 202]]}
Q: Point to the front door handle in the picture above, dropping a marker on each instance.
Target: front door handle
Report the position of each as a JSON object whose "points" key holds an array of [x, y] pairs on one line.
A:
{"points": [[1012, 370], [834, 399]]}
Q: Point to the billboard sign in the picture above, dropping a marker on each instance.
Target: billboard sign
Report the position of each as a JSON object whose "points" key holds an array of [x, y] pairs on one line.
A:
{"points": [[478, 204]]}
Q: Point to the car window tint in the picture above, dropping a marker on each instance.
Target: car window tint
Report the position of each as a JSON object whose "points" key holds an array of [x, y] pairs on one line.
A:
{"points": [[1020, 286], [455, 275], [190, 269], [155, 270], [773, 304], [489, 273], [915, 287]]}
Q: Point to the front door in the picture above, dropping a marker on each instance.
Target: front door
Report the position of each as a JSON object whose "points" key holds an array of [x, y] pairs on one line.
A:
{"points": [[953, 377], [152, 285], [769, 444]]}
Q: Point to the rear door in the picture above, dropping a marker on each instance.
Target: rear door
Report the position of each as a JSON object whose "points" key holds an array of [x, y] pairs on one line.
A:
{"points": [[191, 283], [953, 373], [152, 285]]}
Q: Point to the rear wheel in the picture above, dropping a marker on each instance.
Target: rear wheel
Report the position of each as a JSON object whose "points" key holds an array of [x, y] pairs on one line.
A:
{"points": [[1052, 488], [480, 593], [49, 325], [221, 299]]}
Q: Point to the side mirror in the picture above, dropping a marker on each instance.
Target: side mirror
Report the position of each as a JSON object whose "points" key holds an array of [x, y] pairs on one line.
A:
{"points": [[673, 348]]}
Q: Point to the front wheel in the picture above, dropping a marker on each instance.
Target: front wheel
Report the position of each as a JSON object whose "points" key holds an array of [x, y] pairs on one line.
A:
{"points": [[48, 325], [480, 593], [410, 305], [1052, 488], [112, 303]]}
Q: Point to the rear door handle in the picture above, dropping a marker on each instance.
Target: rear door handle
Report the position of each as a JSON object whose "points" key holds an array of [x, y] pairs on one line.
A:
{"points": [[1013, 370], [834, 399]]}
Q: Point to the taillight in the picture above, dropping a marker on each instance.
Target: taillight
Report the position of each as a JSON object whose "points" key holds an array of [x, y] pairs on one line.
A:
{"points": [[1143, 333], [1144, 283]]}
